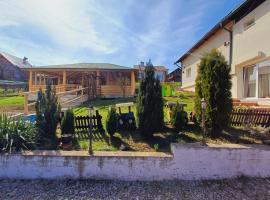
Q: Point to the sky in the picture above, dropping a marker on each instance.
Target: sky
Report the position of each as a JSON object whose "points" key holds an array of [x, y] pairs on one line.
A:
{"points": [[123, 32]]}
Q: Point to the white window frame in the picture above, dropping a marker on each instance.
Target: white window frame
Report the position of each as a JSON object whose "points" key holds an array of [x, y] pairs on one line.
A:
{"points": [[256, 68]]}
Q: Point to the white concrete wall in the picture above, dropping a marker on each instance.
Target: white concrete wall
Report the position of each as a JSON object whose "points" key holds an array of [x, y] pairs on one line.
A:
{"points": [[192, 61], [188, 162]]}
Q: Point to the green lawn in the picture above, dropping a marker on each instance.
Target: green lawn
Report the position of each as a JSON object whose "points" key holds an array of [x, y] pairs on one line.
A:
{"points": [[133, 140], [12, 101]]}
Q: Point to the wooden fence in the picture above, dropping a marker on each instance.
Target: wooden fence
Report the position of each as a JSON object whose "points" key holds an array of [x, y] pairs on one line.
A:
{"points": [[82, 123], [250, 117]]}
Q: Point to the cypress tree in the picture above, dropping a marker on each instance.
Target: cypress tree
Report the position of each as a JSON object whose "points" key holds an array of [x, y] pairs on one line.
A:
{"points": [[214, 84], [48, 116], [150, 103]]}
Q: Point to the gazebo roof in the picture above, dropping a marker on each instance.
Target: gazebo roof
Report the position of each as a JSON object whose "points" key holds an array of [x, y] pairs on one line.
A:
{"points": [[92, 66]]}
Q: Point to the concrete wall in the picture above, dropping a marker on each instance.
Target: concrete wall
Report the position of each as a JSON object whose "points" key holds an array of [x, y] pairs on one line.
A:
{"points": [[188, 161]]}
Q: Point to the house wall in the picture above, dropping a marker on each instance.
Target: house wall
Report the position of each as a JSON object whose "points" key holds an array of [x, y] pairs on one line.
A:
{"points": [[187, 162], [250, 46], [10, 72], [192, 61], [248, 43]]}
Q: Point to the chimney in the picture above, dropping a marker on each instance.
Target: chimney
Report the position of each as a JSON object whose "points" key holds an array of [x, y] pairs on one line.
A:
{"points": [[25, 60]]}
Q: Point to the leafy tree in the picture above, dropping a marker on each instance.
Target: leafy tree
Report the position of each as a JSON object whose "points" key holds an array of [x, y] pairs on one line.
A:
{"points": [[214, 84], [150, 103], [67, 125], [179, 118], [111, 122], [48, 116]]}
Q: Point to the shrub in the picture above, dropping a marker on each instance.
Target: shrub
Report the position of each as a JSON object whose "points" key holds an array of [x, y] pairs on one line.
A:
{"points": [[48, 116], [214, 84], [16, 135], [111, 122], [150, 103], [68, 123], [179, 118]]}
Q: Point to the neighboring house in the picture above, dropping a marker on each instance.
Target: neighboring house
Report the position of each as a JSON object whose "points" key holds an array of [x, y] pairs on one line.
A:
{"points": [[175, 75], [104, 79], [11, 67], [160, 72], [243, 37]]}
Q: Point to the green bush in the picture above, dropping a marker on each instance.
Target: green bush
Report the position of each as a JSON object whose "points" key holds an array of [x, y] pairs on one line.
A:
{"points": [[150, 103], [48, 116], [179, 118], [214, 84], [111, 122], [68, 123], [16, 135]]}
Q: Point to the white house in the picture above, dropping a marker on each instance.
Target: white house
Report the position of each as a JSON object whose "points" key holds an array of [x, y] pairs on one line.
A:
{"points": [[243, 37]]}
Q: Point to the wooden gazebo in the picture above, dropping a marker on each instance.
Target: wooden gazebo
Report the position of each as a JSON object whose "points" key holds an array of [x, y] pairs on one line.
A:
{"points": [[103, 79]]}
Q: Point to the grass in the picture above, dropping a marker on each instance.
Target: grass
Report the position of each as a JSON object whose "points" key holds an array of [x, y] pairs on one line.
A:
{"points": [[11, 101], [133, 140]]}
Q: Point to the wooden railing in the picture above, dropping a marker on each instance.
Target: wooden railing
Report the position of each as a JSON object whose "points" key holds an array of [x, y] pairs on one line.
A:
{"points": [[59, 88], [80, 94], [250, 117]]}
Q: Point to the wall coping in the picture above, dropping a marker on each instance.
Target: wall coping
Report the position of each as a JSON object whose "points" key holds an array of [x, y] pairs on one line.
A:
{"points": [[60, 153], [130, 154], [221, 146]]}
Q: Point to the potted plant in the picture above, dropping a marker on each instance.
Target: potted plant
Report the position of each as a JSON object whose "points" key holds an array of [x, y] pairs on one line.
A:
{"points": [[67, 129]]}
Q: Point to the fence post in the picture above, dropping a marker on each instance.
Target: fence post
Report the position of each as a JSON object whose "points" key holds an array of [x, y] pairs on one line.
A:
{"points": [[26, 104], [99, 122]]}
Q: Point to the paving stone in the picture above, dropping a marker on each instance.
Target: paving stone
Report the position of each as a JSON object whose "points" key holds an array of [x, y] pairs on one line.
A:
{"points": [[242, 188]]}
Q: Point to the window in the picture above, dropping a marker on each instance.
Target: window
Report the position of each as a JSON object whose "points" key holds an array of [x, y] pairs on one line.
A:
{"points": [[257, 80], [264, 82], [188, 72], [249, 23], [250, 81]]}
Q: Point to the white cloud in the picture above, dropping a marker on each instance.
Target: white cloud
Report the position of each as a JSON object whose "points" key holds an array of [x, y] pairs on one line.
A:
{"points": [[116, 31], [65, 21]]}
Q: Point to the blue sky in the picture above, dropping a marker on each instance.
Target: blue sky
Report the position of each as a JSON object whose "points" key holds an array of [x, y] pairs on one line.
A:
{"points": [[122, 32]]}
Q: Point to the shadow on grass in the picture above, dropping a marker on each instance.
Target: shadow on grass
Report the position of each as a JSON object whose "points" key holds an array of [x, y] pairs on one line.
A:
{"points": [[237, 136], [118, 143]]}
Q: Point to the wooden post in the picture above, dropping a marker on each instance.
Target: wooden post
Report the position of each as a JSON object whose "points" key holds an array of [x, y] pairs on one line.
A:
{"points": [[30, 80], [39, 80], [64, 80], [26, 104], [132, 79], [82, 83], [35, 74], [98, 83]]}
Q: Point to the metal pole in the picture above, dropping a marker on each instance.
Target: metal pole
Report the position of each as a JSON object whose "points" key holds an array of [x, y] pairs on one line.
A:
{"points": [[203, 104]]}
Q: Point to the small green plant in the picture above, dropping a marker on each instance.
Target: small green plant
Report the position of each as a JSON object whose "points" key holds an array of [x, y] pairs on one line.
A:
{"points": [[67, 125], [111, 122], [16, 135], [156, 147], [179, 118]]}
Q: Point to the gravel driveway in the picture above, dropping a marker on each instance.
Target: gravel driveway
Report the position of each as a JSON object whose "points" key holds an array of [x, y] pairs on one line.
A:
{"points": [[242, 188]]}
